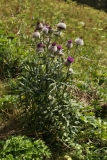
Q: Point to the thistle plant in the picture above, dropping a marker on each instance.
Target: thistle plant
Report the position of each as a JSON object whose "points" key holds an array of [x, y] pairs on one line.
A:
{"points": [[47, 104]]}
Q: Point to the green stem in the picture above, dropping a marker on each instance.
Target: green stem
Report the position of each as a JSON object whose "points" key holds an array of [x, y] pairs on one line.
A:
{"points": [[76, 49]]}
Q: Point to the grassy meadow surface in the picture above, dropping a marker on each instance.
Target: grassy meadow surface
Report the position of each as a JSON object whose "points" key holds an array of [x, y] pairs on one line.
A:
{"points": [[89, 85]]}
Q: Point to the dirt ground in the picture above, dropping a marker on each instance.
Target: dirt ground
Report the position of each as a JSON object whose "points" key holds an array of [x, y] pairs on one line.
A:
{"points": [[9, 127]]}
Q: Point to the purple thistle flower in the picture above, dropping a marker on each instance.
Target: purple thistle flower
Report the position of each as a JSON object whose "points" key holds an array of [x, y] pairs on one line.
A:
{"points": [[70, 59], [59, 50], [69, 44], [47, 29], [69, 41], [54, 44], [52, 47], [59, 47], [40, 47]]}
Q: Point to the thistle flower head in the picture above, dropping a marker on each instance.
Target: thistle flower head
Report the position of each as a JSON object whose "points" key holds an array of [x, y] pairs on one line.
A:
{"points": [[40, 47], [59, 47], [69, 60], [52, 47], [79, 41], [59, 50], [69, 44], [36, 34], [45, 29], [39, 25], [61, 25]]}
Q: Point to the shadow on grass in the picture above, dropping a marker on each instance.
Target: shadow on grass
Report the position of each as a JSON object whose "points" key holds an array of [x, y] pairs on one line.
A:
{"points": [[96, 4], [10, 125]]}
